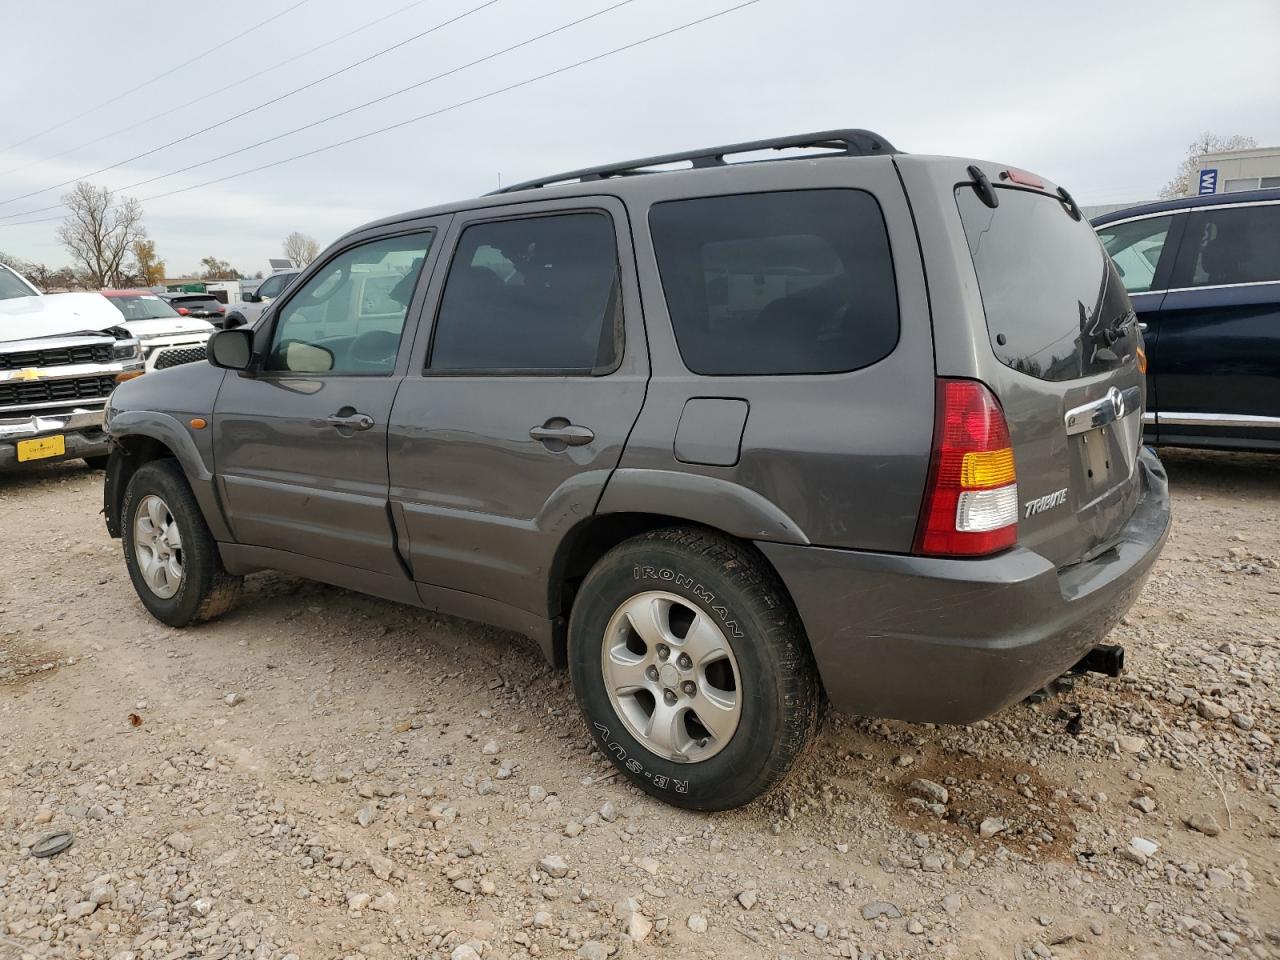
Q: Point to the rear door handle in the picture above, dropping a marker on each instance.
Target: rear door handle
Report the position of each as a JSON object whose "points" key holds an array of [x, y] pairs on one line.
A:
{"points": [[570, 434], [356, 421]]}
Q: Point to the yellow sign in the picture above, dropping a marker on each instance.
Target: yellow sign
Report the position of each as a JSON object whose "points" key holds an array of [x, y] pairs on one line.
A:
{"points": [[41, 447]]}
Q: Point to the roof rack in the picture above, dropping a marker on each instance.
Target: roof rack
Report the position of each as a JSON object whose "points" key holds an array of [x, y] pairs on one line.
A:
{"points": [[849, 143]]}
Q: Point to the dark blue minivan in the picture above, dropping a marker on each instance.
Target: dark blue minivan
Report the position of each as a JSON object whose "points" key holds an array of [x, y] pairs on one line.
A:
{"points": [[1204, 277]]}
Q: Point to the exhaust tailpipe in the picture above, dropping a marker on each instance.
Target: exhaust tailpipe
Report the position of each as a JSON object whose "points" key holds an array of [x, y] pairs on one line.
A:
{"points": [[1105, 658]]}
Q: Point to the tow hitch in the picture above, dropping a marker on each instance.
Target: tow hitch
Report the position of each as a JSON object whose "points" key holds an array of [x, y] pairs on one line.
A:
{"points": [[1105, 658]]}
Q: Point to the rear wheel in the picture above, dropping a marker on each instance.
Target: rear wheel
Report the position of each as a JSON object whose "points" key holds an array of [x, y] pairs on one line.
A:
{"points": [[172, 558], [691, 666]]}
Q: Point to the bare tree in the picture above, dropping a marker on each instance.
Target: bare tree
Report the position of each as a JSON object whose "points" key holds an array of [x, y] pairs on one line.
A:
{"points": [[1184, 182], [100, 232], [16, 263], [300, 248]]}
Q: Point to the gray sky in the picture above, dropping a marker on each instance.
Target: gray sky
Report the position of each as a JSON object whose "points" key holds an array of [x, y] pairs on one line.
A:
{"points": [[1099, 96]]}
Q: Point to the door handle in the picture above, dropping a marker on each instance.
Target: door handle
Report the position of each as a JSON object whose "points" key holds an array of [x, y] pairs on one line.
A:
{"points": [[570, 434], [356, 421], [1142, 326]]}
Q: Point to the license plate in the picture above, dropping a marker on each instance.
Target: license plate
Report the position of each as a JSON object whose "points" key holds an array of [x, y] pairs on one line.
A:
{"points": [[41, 448]]}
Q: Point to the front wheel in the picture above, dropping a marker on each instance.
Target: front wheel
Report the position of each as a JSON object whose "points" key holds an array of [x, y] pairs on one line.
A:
{"points": [[692, 668], [171, 556]]}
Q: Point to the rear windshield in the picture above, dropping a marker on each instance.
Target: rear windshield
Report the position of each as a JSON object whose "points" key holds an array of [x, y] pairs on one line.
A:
{"points": [[799, 282], [142, 307], [1051, 295]]}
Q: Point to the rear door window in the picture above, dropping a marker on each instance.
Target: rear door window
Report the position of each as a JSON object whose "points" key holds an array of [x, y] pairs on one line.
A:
{"points": [[796, 282], [1052, 297], [1135, 248], [532, 295], [1229, 245]]}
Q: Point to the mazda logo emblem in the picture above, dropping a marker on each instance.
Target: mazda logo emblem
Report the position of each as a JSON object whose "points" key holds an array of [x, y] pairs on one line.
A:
{"points": [[1117, 402]]}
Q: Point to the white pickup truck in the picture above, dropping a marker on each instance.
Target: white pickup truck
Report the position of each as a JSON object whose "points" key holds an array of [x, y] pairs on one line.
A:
{"points": [[61, 356]]}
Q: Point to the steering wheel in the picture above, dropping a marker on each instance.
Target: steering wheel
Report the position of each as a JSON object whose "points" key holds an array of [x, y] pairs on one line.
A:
{"points": [[375, 349]]}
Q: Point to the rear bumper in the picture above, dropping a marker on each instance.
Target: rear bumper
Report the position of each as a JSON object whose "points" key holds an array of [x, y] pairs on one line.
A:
{"points": [[82, 430], [953, 641]]}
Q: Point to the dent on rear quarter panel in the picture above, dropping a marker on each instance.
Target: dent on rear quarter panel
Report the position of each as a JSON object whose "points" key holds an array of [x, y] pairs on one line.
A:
{"points": [[843, 456]]}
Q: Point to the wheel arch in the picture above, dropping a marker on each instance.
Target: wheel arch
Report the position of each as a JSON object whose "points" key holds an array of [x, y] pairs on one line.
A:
{"points": [[140, 437], [588, 541]]}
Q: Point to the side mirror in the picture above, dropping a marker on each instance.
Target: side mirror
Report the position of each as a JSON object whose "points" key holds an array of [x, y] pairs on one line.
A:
{"points": [[252, 298], [231, 349]]}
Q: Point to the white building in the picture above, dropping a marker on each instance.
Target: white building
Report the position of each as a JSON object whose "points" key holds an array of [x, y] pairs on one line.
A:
{"points": [[1234, 170]]}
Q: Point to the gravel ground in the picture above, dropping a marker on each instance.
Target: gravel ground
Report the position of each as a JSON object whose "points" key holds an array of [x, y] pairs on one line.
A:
{"points": [[324, 775]]}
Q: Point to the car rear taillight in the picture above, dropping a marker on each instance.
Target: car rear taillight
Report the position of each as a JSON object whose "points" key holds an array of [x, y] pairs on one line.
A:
{"points": [[971, 500]]}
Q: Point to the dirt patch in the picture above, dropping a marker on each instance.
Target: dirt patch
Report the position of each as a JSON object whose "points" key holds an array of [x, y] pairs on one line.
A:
{"points": [[1022, 810], [24, 661]]}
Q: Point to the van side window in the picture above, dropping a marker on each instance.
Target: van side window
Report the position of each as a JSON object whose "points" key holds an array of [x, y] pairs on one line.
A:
{"points": [[796, 282], [536, 294], [348, 317], [1239, 244], [1135, 249]]}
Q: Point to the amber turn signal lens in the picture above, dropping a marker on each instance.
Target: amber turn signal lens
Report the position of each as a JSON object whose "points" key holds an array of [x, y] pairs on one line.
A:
{"points": [[987, 468], [1142, 360], [198, 423], [128, 375]]}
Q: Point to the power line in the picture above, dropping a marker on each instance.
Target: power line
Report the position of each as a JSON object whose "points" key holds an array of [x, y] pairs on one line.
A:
{"points": [[260, 106], [442, 110], [346, 35], [159, 76], [349, 110]]}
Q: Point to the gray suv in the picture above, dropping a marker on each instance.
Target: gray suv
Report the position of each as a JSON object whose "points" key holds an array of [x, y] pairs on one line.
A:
{"points": [[727, 441]]}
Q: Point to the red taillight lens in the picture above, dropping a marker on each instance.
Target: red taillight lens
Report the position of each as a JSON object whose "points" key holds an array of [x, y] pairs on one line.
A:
{"points": [[971, 499]]}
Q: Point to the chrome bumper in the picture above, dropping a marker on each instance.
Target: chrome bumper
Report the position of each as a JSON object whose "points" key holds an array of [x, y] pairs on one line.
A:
{"points": [[41, 425], [83, 429]]}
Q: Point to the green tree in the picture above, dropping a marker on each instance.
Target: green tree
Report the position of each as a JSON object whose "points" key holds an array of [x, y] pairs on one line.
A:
{"points": [[215, 269], [149, 267]]}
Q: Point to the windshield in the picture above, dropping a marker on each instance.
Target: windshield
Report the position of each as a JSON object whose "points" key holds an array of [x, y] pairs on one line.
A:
{"points": [[11, 285], [142, 307], [1055, 307]]}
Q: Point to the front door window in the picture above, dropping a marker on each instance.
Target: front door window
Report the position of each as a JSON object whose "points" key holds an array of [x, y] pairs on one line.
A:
{"points": [[348, 317]]}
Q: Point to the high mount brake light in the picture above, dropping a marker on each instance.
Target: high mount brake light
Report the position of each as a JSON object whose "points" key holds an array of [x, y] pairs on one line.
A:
{"points": [[1023, 178], [971, 499]]}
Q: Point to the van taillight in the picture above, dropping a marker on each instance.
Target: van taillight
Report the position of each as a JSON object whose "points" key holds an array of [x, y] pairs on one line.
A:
{"points": [[971, 499]]}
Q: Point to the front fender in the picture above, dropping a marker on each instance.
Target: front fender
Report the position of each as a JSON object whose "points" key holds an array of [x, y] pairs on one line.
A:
{"points": [[710, 501], [167, 430]]}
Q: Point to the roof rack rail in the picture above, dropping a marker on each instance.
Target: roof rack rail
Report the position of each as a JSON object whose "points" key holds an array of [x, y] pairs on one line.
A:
{"points": [[849, 143]]}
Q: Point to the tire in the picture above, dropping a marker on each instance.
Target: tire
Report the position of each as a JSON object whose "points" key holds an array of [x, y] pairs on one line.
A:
{"points": [[202, 589], [761, 698], [97, 463]]}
